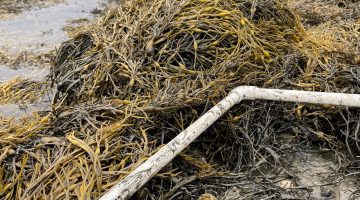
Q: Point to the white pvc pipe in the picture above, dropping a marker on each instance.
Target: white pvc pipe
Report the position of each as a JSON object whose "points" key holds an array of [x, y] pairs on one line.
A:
{"points": [[136, 179]]}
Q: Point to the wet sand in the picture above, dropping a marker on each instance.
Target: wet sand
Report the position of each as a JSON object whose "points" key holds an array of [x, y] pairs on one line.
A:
{"points": [[41, 29], [32, 28]]}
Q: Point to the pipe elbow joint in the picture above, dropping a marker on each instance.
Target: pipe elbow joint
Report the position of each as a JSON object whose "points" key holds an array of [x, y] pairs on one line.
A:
{"points": [[245, 92]]}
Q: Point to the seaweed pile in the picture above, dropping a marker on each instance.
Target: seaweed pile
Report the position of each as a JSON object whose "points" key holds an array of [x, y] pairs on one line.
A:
{"points": [[148, 69]]}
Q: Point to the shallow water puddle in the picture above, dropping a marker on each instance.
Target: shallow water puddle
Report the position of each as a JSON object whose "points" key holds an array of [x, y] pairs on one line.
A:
{"points": [[34, 73], [13, 110], [41, 29], [17, 111]]}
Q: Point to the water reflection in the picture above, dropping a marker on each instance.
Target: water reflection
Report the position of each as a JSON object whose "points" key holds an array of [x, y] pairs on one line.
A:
{"points": [[41, 29]]}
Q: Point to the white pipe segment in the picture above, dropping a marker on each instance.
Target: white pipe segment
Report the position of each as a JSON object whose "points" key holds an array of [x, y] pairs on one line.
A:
{"points": [[136, 179]]}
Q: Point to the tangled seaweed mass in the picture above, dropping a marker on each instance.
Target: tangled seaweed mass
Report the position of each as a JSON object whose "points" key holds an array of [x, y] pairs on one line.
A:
{"points": [[148, 69]]}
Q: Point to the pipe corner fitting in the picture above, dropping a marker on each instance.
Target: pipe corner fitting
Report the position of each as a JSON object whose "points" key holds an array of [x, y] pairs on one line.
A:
{"points": [[245, 92]]}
